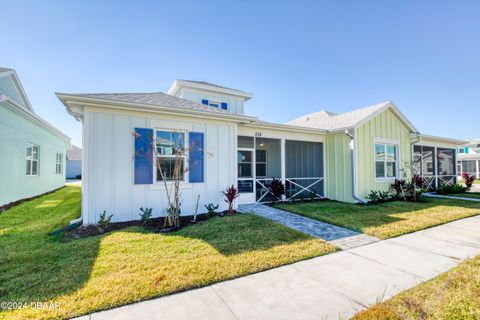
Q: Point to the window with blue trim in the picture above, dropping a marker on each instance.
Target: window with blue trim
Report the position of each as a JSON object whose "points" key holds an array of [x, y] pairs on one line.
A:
{"points": [[171, 156]]}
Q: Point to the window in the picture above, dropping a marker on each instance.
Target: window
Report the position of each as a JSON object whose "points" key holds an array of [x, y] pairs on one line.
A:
{"points": [[32, 160], [461, 150], [59, 164], [386, 160], [214, 104], [170, 147], [261, 163]]}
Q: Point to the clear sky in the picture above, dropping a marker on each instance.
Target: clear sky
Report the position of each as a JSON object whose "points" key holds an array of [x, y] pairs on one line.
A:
{"points": [[296, 57]]}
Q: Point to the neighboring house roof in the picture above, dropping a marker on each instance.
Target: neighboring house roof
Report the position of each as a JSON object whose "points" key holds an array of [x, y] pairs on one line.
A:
{"points": [[203, 85], [336, 122], [150, 101], [26, 109], [2, 69], [74, 154], [5, 72]]}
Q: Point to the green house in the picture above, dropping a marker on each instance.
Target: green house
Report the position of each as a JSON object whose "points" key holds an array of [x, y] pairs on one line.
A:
{"points": [[32, 158]]}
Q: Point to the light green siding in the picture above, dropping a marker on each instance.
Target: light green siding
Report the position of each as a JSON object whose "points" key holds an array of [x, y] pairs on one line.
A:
{"points": [[8, 88], [15, 132], [384, 126], [338, 167]]}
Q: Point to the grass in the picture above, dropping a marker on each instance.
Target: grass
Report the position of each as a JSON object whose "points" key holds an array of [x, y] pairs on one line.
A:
{"points": [[474, 195], [387, 219], [132, 264], [452, 295]]}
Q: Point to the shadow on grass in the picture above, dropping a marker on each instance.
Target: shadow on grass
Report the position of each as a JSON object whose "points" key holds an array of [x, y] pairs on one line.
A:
{"points": [[36, 267]]}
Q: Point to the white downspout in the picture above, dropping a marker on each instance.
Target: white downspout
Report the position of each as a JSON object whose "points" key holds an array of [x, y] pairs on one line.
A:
{"points": [[354, 169]]}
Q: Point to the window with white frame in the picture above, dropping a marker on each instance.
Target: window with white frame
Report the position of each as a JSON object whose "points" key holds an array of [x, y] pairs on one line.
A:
{"points": [[32, 160], [386, 160], [214, 104], [170, 151], [59, 164]]}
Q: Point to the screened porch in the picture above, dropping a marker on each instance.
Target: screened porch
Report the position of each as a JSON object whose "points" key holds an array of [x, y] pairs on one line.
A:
{"points": [[299, 164], [435, 165]]}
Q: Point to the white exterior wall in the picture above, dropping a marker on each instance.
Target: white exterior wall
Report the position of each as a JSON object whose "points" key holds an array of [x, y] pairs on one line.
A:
{"points": [[108, 166], [235, 104]]}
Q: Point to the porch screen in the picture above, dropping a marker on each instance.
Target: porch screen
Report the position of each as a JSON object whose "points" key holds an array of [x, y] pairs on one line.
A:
{"points": [[304, 169]]}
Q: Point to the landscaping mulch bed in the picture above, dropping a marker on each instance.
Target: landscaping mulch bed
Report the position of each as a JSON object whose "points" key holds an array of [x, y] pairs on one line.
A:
{"points": [[155, 225]]}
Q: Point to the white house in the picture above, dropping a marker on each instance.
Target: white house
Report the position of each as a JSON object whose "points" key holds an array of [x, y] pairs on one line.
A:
{"points": [[32, 158], [337, 156], [468, 158], [74, 163]]}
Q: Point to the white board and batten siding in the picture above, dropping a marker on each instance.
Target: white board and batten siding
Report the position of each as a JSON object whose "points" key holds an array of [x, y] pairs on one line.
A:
{"points": [[235, 104], [109, 158]]}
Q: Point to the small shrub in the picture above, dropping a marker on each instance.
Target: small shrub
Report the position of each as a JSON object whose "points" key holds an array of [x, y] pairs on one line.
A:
{"points": [[211, 210], [408, 191], [451, 189], [468, 179], [379, 196], [104, 221], [277, 189], [145, 215], [231, 193]]}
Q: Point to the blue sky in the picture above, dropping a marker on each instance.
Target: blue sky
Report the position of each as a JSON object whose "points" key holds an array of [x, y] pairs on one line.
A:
{"points": [[296, 57]]}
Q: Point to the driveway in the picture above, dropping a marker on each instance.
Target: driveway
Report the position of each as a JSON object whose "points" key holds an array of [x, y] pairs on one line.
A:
{"points": [[328, 287]]}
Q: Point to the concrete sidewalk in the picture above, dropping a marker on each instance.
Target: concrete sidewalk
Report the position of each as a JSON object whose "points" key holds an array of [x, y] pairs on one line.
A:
{"points": [[334, 286]]}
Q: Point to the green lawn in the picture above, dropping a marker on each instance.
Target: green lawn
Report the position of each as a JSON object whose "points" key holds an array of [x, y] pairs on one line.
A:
{"points": [[475, 195], [387, 219], [452, 295], [132, 264]]}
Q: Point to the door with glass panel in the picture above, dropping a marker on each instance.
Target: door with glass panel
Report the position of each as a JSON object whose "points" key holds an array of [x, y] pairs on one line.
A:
{"points": [[246, 170]]}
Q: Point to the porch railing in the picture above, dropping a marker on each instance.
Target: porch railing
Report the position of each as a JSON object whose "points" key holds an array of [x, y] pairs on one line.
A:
{"points": [[296, 189], [432, 182]]}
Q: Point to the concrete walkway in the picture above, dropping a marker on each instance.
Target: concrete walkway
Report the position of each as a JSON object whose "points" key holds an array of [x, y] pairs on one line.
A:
{"points": [[433, 195], [333, 286], [338, 236]]}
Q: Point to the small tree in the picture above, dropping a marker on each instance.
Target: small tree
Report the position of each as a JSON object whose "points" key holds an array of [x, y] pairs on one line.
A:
{"points": [[231, 193], [171, 184]]}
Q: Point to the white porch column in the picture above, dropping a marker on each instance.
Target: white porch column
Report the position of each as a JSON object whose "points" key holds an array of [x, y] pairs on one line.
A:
{"points": [[476, 169], [282, 163], [435, 165]]}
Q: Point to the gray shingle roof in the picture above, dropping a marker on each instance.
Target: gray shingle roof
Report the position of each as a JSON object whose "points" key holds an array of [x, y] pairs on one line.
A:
{"points": [[331, 121], [74, 154], [153, 99], [2, 69]]}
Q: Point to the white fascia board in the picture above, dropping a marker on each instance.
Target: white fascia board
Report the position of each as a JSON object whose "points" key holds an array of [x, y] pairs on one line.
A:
{"points": [[450, 141], [177, 84], [398, 113], [285, 127], [35, 118], [70, 101]]}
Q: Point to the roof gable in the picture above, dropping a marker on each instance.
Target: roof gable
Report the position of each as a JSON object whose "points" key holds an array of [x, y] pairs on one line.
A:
{"points": [[352, 119], [11, 87]]}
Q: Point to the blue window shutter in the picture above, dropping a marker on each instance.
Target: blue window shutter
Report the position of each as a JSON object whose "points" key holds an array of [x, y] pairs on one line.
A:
{"points": [[196, 157], [204, 101], [224, 106], [143, 156], [466, 150]]}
